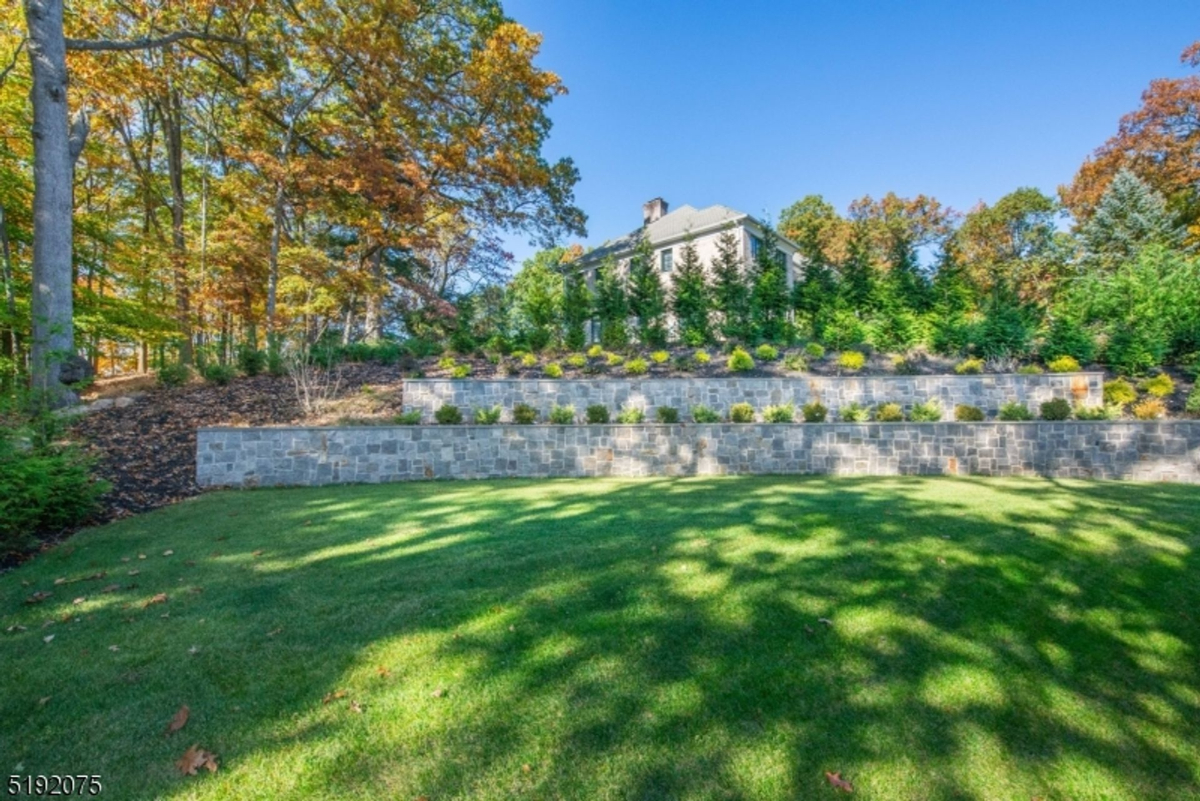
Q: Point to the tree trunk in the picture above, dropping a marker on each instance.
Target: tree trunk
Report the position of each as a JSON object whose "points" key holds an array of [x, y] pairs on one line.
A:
{"points": [[9, 345], [273, 267], [173, 122], [373, 317]]}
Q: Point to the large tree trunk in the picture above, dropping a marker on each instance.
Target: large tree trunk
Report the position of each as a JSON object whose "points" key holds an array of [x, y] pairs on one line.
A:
{"points": [[53, 163], [173, 121], [8, 347], [273, 267]]}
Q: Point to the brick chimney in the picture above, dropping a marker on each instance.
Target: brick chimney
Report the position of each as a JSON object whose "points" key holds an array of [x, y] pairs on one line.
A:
{"points": [[653, 210]]}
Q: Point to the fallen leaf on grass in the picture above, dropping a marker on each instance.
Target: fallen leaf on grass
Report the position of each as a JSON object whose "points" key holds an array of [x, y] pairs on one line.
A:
{"points": [[257, 553], [273, 632], [178, 721], [14, 628], [38, 597], [78, 600], [825, 620], [836, 780], [355, 706], [111, 588], [384, 672], [134, 572], [438, 693], [161, 598], [526, 768], [194, 650], [333, 696], [195, 758], [43, 701], [168, 552], [114, 648]]}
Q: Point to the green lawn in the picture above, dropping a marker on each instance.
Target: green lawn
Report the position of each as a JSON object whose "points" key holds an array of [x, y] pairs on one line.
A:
{"points": [[987, 639]]}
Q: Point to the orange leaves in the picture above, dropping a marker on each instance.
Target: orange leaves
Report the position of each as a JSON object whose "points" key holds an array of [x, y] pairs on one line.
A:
{"points": [[160, 598], [194, 759], [178, 720], [837, 782]]}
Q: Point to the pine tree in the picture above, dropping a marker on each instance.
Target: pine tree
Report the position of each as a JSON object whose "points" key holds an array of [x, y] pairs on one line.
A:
{"points": [[691, 297], [577, 308], [611, 306], [647, 300], [815, 295], [1130, 216], [769, 296], [858, 274], [731, 295]]}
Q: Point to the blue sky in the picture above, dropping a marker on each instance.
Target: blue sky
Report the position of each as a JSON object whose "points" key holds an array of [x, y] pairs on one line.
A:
{"points": [[756, 104]]}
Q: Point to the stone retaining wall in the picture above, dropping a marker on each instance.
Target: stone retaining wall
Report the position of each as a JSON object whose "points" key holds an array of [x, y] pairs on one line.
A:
{"points": [[245, 457], [987, 392]]}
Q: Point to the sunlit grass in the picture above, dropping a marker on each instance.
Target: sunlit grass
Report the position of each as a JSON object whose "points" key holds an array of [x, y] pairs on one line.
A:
{"points": [[698, 638]]}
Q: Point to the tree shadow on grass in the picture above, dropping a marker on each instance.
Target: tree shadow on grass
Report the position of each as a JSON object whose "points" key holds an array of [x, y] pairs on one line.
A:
{"points": [[725, 638]]}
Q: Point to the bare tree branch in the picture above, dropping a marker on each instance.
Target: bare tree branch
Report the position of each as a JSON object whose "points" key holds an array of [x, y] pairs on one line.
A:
{"points": [[15, 58], [149, 42]]}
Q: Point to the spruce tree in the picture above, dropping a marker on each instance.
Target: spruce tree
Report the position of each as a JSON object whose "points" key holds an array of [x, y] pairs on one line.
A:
{"points": [[769, 296], [858, 273], [577, 308], [691, 298], [647, 300], [611, 305], [731, 294], [815, 295], [1129, 217]]}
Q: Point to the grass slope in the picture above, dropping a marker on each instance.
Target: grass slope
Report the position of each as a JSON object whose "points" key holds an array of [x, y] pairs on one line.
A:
{"points": [[623, 639]]}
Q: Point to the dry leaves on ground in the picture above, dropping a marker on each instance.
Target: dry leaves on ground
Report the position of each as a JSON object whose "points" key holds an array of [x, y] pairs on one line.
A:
{"points": [[195, 758], [178, 721], [837, 782]]}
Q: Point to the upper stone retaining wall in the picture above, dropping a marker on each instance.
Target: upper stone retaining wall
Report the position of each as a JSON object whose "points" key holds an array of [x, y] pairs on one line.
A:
{"points": [[245, 457], [987, 391]]}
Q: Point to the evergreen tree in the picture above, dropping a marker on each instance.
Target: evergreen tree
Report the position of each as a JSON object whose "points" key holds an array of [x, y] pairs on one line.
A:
{"points": [[731, 295], [611, 305], [815, 295], [858, 273], [691, 297], [647, 300], [1129, 217], [907, 285], [769, 296], [577, 308]]}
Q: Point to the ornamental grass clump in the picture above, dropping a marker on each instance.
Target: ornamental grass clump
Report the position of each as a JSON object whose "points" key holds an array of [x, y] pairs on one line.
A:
{"points": [[1119, 392], [410, 418], [1160, 386], [1056, 409], [854, 413], [636, 366], [966, 413], [814, 351], [740, 361], [784, 413], [666, 414], [595, 352], [614, 359], [741, 413], [1063, 364], [703, 414], [488, 417], [701, 357], [596, 413], [971, 366], [562, 415], [460, 371], [1030, 369], [851, 360], [1014, 412], [889, 413], [577, 360], [1102, 412], [929, 411], [448, 415], [524, 414], [814, 412], [631, 415], [1193, 400]]}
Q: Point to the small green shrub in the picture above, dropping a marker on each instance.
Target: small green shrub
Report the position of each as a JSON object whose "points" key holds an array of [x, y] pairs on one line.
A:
{"points": [[741, 413], [447, 363], [966, 413], [174, 375], [666, 414], [1193, 400], [595, 352], [851, 360], [553, 370], [1149, 409], [814, 351], [631, 415], [577, 360], [636, 366], [969, 366], [251, 361], [1056, 409], [683, 364], [703, 414], [889, 413], [410, 418], [1014, 412], [1030, 369], [44, 487], [529, 360], [785, 413], [562, 415], [814, 412], [701, 357], [524, 414], [460, 371], [488, 417], [614, 359], [219, 374], [1160, 386], [854, 413], [794, 363], [597, 413], [767, 353], [1063, 364], [660, 357], [929, 411], [1119, 392], [1103, 412], [740, 361], [448, 415]]}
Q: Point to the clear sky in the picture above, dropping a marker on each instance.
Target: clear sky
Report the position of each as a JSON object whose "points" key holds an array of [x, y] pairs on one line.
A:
{"points": [[754, 104]]}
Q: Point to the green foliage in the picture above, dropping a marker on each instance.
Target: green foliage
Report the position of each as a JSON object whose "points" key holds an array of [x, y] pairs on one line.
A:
{"points": [[524, 414], [562, 415], [741, 413], [488, 417], [794, 363], [889, 413], [647, 300], [929, 411], [1056, 409], [1063, 364], [553, 370], [595, 352], [597, 413], [814, 412], [691, 297], [1102, 412], [576, 310], [904, 366], [174, 375], [769, 294], [577, 360], [631, 415], [1006, 330], [1149, 409], [854, 413], [969, 366], [1130, 217], [660, 357], [851, 360], [701, 357], [611, 306], [528, 360], [44, 487], [1119, 392], [217, 373], [740, 361], [785, 413], [814, 351], [731, 297], [666, 414], [447, 363], [1193, 399], [1160, 386], [614, 359], [1066, 336], [703, 414], [636, 366], [536, 292], [1030, 369], [965, 413], [413, 418], [460, 371], [767, 353], [1014, 412], [448, 415], [251, 361]]}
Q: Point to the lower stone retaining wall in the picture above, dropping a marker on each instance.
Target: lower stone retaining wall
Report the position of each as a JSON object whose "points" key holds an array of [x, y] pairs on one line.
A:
{"points": [[247, 457], [987, 392]]}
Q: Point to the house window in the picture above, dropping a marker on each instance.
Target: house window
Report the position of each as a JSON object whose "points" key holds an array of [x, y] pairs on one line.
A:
{"points": [[783, 258], [755, 246], [667, 257]]}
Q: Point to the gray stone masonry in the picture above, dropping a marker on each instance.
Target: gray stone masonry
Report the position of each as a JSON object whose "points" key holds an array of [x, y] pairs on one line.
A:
{"points": [[248, 457], [987, 392]]}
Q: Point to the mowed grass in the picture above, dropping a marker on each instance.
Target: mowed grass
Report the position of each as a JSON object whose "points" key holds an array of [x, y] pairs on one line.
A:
{"points": [[727, 638]]}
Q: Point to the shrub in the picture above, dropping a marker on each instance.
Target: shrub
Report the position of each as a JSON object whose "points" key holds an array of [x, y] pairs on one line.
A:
{"points": [[966, 413], [595, 352], [577, 360], [784, 413], [460, 371], [562, 415], [814, 412], [1119, 392], [553, 370], [1193, 400], [740, 361], [631, 415], [741, 413], [1056, 409], [904, 366], [703, 414], [701, 357], [524, 414], [1067, 337], [1160, 386], [219, 374], [251, 361], [636, 366], [499, 344], [1102, 412], [413, 418], [614, 359], [794, 363], [852, 360], [666, 414], [447, 363], [929, 411], [422, 348], [174, 375], [660, 357], [971, 366], [528, 360], [814, 350], [854, 413], [597, 413], [448, 415], [1149, 409], [767, 353], [1063, 364], [889, 413], [1015, 412], [1030, 369], [44, 487], [488, 417]]}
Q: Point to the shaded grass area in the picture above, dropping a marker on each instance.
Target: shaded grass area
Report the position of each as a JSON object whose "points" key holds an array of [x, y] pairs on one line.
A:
{"points": [[985, 638]]}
